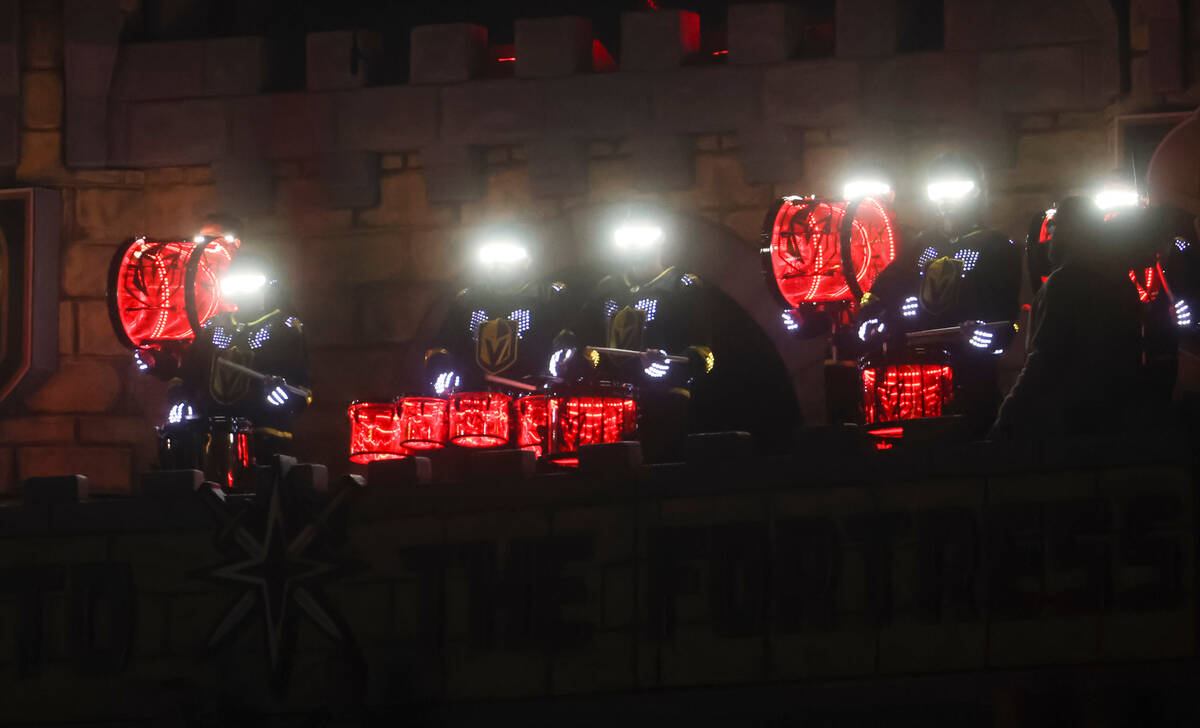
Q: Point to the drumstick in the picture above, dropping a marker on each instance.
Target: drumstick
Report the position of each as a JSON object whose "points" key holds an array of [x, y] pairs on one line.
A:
{"points": [[949, 331], [511, 383], [630, 352], [260, 376]]}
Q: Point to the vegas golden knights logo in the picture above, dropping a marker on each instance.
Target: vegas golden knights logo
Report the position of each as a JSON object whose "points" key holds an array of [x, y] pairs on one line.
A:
{"points": [[496, 345], [226, 385], [626, 329], [941, 285]]}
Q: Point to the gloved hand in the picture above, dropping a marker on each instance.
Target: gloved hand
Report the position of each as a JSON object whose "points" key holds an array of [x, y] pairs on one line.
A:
{"points": [[655, 363], [277, 393], [445, 382], [871, 329], [558, 361], [179, 412]]}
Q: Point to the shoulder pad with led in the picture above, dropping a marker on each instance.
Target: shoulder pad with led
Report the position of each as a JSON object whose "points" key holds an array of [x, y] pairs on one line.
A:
{"points": [[689, 279], [558, 287]]}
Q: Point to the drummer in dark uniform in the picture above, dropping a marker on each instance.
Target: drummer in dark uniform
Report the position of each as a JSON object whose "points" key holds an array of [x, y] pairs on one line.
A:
{"points": [[651, 318], [247, 367], [501, 327]]}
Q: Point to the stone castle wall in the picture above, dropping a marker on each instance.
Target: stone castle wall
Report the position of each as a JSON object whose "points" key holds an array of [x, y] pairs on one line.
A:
{"points": [[369, 191]]}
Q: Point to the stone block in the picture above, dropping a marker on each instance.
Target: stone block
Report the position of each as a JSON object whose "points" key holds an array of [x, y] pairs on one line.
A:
{"points": [[87, 131], [41, 156], [548, 47], [331, 58], [557, 168], [866, 28], [446, 53], [107, 469], [404, 200], [169, 133], [96, 334], [155, 71], [491, 112], [921, 86], [812, 93], [707, 447], [1032, 80], [391, 313], [112, 213], [284, 126], [658, 41], [399, 473], [610, 458], [764, 32], [600, 106], [506, 464], [705, 100], [350, 179], [115, 430], [43, 489], [387, 119], [79, 386], [310, 477], [771, 153], [721, 182], [66, 327], [43, 428], [85, 270], [662, 162], [973, 25], [235, 66], [42, 100], [245, 186], [171, 484], [452, 173], [41, 39]]}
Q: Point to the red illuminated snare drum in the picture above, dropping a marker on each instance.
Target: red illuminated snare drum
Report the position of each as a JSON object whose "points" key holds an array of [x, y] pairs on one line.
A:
{"points": [[479, 419], [906, 392], [601, 416], [424, 422], [163, 291], [375, 432], [229, 452], [533, 423]]}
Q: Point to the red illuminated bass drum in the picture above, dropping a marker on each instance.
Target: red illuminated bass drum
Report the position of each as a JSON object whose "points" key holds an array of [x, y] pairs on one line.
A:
{"points": [[810, 243], [375, 432], [161, 292]]}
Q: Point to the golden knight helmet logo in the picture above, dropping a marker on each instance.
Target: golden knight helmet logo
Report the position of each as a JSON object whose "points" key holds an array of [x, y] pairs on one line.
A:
{"points": [[627, 328], [941, 285], [496, 345]]}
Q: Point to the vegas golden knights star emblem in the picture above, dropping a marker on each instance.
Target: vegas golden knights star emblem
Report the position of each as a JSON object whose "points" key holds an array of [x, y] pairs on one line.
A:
{"points": [[496, 345], [627, 328]]}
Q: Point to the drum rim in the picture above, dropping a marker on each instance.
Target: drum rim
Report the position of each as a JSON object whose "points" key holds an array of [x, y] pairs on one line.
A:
{"points": [[393, 456]]}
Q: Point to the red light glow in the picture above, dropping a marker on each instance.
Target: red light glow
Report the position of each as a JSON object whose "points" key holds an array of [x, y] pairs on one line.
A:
{"points": [[507, 59], [149, 292], [805, 250], [374, 432], [533, 423], [423, 423], [884, 445], [479, 419], [905, 392], [896, 432], [720, 53], [567, 462], [594, 420]]}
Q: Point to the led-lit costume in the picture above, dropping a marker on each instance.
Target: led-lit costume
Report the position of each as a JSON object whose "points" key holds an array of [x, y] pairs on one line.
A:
{"points": [[937, 317], [245, 377], [497, 332], [662, 318]]}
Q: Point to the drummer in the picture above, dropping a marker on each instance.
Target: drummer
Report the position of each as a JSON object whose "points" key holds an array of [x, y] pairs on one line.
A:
{"points": [[656, 312], [247, 364], [499, 329]]}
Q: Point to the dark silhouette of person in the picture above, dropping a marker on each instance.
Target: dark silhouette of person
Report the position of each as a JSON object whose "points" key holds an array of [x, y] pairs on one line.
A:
{"points": [[1084, 342]]}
